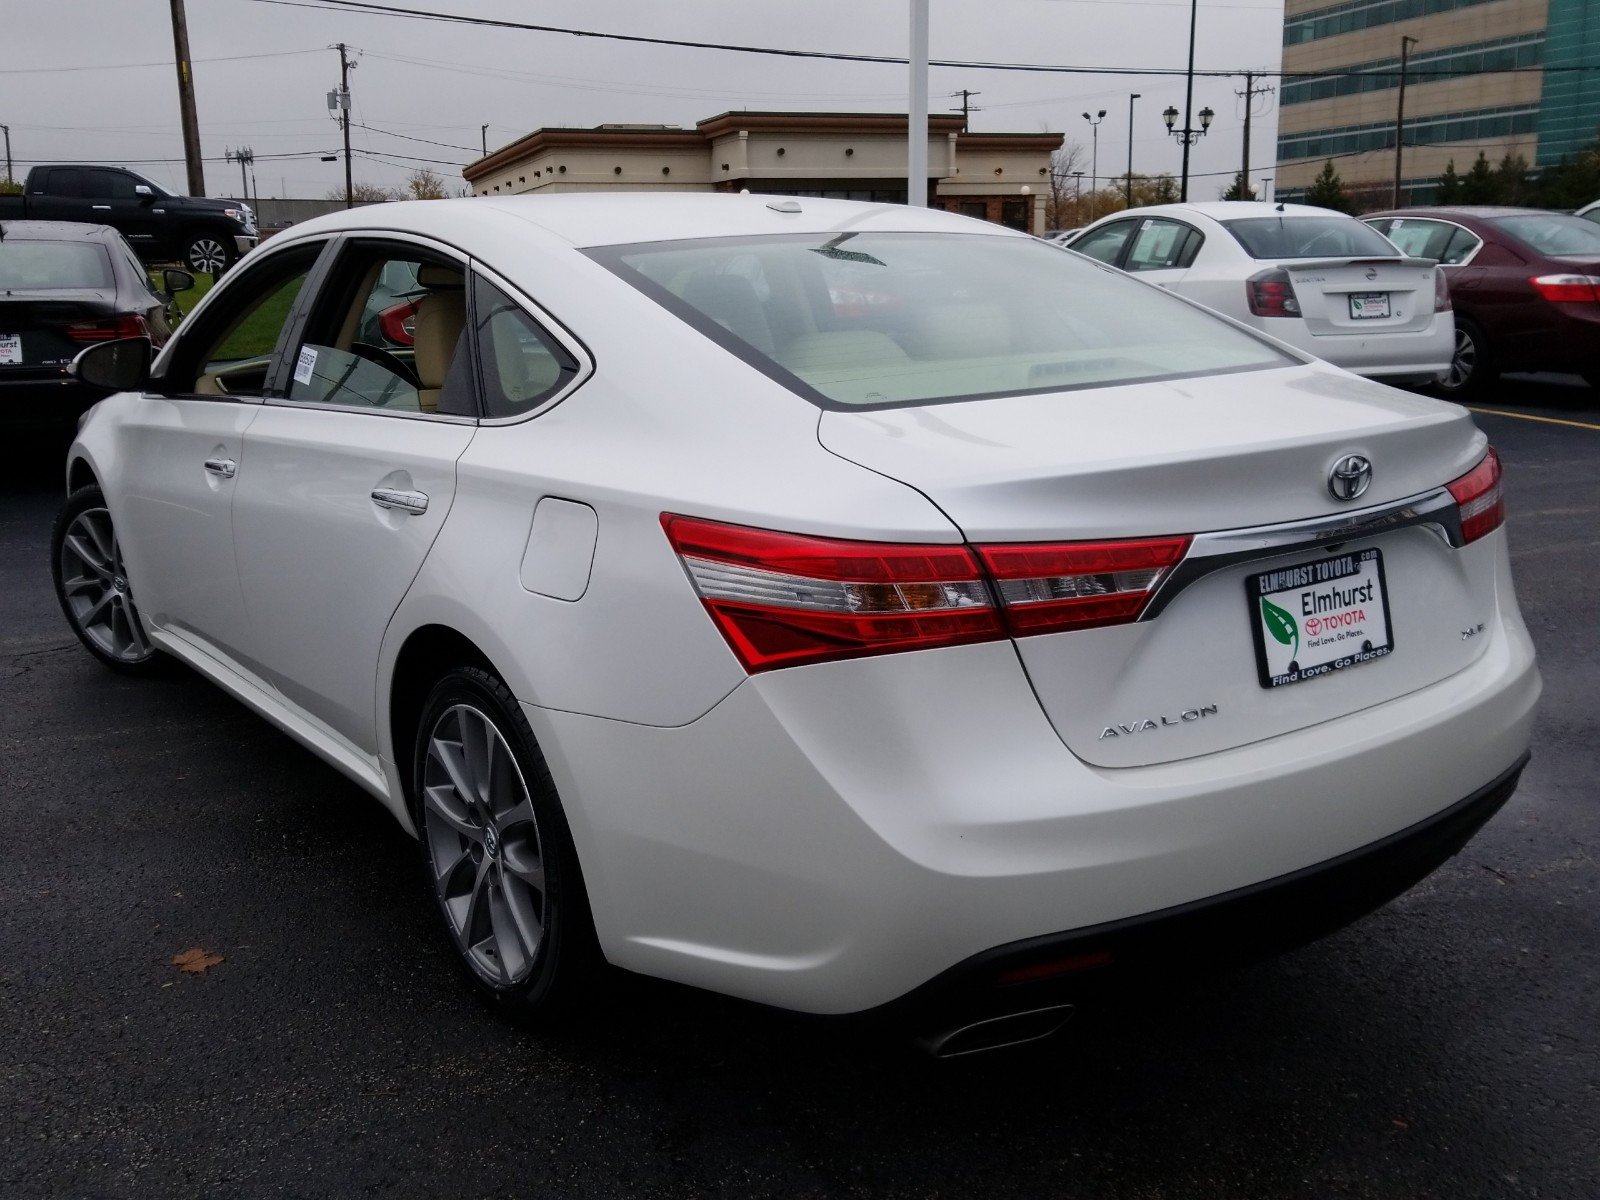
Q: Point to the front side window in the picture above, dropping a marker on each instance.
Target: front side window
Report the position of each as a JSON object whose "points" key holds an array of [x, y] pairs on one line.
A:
{"points": [[879, 319], [227, 349], [387, 332], [1294, 235], [1105, 244]]}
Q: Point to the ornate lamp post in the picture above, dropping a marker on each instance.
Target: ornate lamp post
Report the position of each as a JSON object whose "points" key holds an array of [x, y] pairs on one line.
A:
{"points": [[1188, 135]]}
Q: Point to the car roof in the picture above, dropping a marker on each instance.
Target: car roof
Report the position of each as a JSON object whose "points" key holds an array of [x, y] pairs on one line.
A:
{"points": [[55, 231], [1481, 211], [1226, 210], [590, 219]]}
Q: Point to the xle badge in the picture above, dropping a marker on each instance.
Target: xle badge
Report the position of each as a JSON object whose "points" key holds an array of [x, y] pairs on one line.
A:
{"points": [[1146, 724]]}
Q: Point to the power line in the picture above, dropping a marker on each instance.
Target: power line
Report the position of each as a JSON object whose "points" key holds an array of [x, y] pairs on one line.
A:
{"points": [[409, 138], [136, 66], [367, 8]]}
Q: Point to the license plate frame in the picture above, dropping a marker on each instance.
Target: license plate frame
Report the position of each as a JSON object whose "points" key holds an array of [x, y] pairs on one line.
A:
{"points": [[10, 349], [1347, 625], [1370, 306]]}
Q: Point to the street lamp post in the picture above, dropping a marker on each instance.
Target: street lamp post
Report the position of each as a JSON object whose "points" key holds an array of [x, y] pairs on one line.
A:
{"points": [[1077, 197], [1094, 161], [1132, 96], [1188, 136], [1400, 116]]}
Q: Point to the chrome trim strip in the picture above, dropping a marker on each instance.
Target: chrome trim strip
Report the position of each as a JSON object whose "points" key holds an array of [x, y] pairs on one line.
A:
{"points": [[1212, 552]]}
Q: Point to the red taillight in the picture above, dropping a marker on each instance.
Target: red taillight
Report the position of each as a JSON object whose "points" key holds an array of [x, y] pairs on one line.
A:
{"points": [[1480, 498], [782, 599], [1271, 294], [1074, 584], [1441, 292], [399, 323], [112, 329], [1568, 289]]}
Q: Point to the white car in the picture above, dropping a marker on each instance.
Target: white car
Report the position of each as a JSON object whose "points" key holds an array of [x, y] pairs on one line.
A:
{"points": [[1590, 212], [838, 606], [1317, 279]]}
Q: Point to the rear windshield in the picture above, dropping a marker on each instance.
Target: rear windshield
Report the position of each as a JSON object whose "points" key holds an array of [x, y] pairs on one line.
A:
{"points": [[41, 266], [1553, 233], [1291, 236], [869, 320]]}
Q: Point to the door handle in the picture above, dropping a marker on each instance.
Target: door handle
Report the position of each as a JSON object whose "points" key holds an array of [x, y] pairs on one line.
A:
{"points": [[414, 503], [101, 207], [224, 467]]}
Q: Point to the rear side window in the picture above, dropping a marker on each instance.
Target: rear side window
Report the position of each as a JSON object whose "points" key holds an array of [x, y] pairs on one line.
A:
{"points": [[861, 320], [1162, 245], [1553, 233], [523, 366], [1308, 236], [40, 266]]}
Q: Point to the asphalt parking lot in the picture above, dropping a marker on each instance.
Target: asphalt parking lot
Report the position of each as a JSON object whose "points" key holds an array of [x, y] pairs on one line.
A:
{"points": [[1448, 1046]]}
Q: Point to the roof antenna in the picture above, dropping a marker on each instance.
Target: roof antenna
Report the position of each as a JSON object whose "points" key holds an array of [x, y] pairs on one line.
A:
{"points": [[1280, 205]]}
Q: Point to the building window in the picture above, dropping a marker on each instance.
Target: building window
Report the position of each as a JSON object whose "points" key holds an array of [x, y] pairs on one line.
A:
{"points": [[1468, 127], [1501, 54], [1363, 14]]}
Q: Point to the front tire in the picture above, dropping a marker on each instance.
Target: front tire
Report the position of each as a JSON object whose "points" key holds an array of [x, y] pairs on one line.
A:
{"points": [[1473, 368], [497, 851], [209, 253], [92, 585]]}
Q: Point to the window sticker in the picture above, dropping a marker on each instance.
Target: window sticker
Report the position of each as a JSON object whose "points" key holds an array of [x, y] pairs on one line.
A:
{"points": [[307, 364]]}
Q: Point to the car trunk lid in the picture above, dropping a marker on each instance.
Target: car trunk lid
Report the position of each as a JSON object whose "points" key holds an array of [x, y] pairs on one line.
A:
{"points": [[1363, 296], [42, 331], [1238, 454]]}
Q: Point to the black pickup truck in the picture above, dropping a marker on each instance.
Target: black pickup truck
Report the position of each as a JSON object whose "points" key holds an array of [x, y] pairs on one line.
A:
{"points": [[205, 235]]}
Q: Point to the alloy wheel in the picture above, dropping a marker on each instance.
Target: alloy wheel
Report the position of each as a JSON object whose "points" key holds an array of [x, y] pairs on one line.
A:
{"points": [[208, 255], [94, 584], [484, 848], [1463, 364]]}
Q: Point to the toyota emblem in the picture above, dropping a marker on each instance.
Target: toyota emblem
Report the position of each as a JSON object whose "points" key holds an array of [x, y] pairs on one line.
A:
{"points": [[1350, 477]]}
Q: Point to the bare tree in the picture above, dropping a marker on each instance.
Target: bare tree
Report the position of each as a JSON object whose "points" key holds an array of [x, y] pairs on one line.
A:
{"points": [[1061, 209], [366, 193], [424, 184]]}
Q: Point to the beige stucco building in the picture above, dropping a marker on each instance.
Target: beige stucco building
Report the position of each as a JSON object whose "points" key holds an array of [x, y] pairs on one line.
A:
{"points": [[1490, 75], [1002, 177]]}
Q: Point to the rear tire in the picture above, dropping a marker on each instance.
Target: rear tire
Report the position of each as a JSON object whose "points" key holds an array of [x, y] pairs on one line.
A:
{"points": [[1473, 367], [92, 585], [497, 851]]}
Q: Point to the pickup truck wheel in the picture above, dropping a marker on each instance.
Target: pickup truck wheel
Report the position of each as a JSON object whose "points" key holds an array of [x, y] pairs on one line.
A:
{"points": [[209, 253]]}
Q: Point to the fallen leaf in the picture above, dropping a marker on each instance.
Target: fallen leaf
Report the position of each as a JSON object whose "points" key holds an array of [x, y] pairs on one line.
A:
{"points": [[1399, 1124], [196, 961]]}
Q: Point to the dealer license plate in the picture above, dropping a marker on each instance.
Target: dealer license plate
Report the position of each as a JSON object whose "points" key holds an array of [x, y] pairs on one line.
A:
{"points": [[10, 347], [1318, 617], [1367, 306]]}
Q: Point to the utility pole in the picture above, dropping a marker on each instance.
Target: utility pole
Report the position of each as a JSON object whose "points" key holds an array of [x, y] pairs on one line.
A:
{"points": [[483, 132], [966, 110], [1132, 96], [341, 101], [1250, 93], [1400, 116], [244, 156], [917, 124], [186, 113], [7, 130]]}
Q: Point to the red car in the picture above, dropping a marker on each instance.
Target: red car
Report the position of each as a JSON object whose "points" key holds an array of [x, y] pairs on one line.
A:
{"points": [[1525, 284]]}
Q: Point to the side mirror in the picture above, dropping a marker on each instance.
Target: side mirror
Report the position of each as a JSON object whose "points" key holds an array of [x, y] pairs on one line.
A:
{"points": [[120, 366], [174, 281], [146, 196]]}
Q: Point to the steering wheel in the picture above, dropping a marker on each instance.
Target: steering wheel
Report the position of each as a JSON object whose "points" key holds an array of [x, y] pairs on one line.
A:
{"points": [[388, 360]]}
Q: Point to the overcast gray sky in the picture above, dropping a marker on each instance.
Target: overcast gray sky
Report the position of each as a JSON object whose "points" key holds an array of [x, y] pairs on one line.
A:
{"points": [[92, 80]]}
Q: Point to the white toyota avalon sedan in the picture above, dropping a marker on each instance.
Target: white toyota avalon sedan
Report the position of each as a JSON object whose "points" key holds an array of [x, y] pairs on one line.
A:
{"points": [[1318, 279], [845, 607]]}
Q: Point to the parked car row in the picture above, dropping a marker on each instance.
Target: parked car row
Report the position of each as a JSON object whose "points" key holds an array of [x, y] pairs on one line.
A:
{"points": [[1445, 296], [66, 286], [845, 607]]}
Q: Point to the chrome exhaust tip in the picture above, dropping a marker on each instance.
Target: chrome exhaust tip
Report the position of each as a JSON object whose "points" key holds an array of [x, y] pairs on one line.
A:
{"points": [[997, 1033]]}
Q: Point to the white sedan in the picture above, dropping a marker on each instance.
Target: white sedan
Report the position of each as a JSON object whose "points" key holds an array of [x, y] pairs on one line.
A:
{"points": [[833, 605], [1317, 279]]}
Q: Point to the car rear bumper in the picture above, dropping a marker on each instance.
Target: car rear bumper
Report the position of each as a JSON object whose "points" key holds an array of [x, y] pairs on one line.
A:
{"points": [[831, 838], [45, 405], [1421, 355]]}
